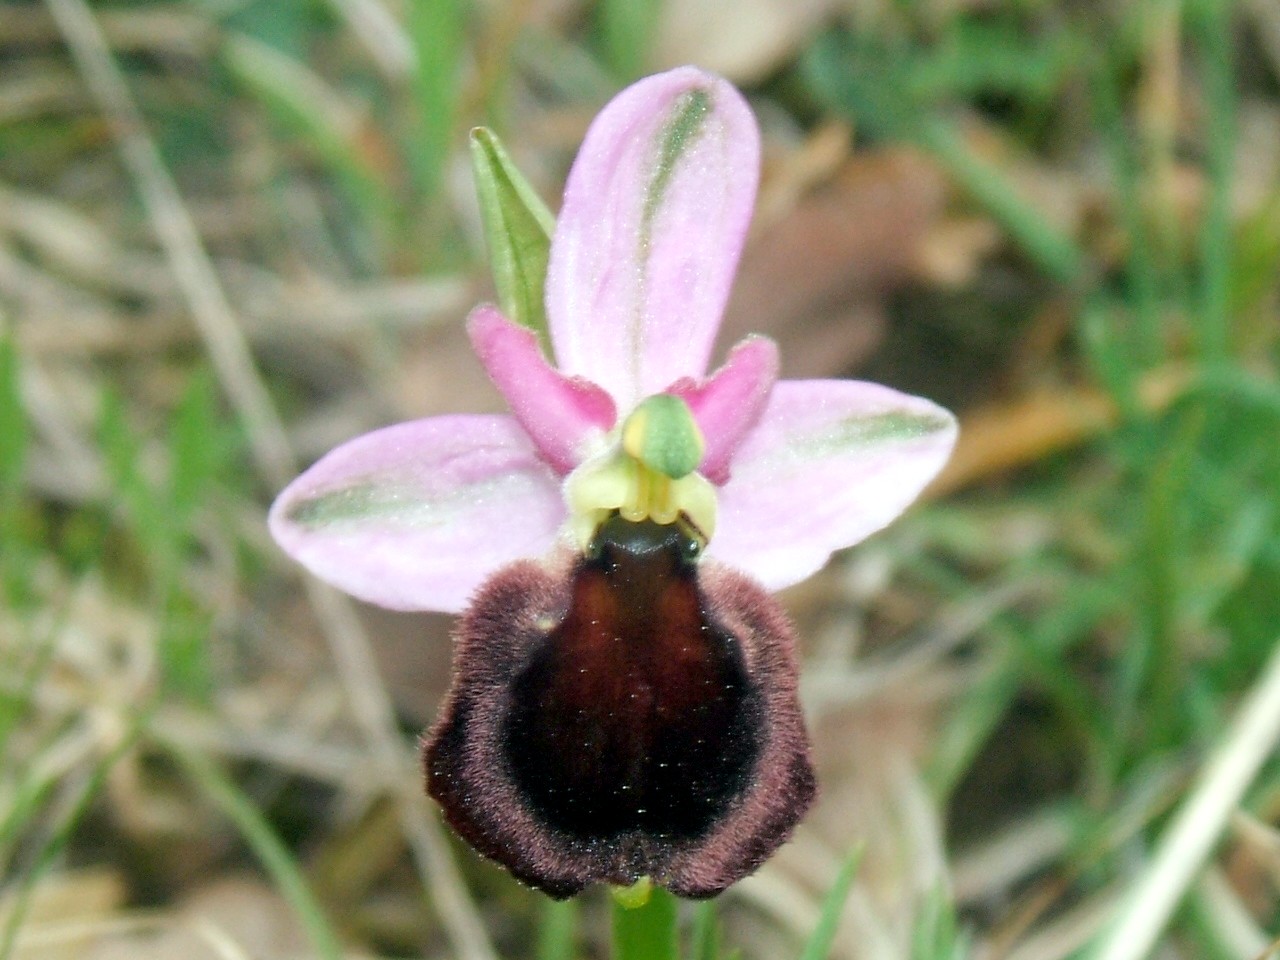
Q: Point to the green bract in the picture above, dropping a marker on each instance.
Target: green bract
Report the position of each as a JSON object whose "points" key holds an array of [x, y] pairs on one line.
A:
{"points": [[517, 228]]}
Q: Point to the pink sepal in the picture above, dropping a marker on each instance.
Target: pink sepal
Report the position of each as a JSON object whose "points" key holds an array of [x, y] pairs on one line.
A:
{"points": [[561, 414], [830, 462], [655, 211], [416, 516], [729, 403]]}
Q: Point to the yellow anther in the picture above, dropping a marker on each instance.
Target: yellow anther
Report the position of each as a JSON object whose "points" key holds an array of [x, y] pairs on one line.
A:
{"points": [[662, 502], [620, 481]]}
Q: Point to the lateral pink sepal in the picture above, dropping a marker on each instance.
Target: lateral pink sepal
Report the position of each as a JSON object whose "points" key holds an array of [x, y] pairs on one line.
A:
{"points": [[560, 414], [729, 403], [417, 515], [830, 463]]}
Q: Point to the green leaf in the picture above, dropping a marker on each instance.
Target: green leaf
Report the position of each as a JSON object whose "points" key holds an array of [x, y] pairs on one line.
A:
{"points": [[824, 934], [648, 931], [518, 228]]}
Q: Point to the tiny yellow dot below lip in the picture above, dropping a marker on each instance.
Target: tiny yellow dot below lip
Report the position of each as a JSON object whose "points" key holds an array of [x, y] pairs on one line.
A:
{"points": [[634, 896]]}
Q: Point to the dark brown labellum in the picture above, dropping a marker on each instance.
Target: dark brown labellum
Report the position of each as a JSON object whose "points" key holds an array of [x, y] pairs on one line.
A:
{"points": [[635, 715]]}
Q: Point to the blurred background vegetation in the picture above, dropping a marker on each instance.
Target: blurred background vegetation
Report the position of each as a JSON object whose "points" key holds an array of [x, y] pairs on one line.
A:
{"points": [[234, 233]]}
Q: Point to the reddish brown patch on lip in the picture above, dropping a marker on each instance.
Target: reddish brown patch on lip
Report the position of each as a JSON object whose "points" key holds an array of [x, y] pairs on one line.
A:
{"points": [[635, 715]]}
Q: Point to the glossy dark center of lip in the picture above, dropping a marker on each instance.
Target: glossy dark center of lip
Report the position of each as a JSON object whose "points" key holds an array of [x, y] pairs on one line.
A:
{"points": [[635, 713]]}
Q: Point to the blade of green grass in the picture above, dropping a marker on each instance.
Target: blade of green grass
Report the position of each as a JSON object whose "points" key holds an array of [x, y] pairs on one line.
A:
{"points": [[1255, 253], [1100, 326], [141, 505], [264, 842], [1017, 649], [1140, 269], [1240, 386], [1211, 24], [853, 82], [53, 848], [819, 944], [24, 661], [305, 105], [15, 433], [161, 530], [977, 56], [1051, 249], [15, 440], [199, 446], [1216, 932], [1199, 823], [1150, 671], [22, 803], [936, 935], [438, 31], [287, 25]]}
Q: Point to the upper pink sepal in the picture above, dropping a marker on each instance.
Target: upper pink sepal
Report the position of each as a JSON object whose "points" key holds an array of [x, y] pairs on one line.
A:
{"points": [[728, 403], [655, 211], [415, 516], [561, 414], [830, 462]]}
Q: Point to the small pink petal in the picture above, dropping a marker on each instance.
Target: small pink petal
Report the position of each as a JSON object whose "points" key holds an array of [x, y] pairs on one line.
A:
{"points": [[561, 414], [729, 402], [831, 462], [654, 215], [417, 515]]}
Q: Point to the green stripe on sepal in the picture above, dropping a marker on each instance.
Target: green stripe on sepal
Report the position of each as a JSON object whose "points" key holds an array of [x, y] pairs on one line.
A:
{"points": [[679, 133], [517, 228], [662, 434]]}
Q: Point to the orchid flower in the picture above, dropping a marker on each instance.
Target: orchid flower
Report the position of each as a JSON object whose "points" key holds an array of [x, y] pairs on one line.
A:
{"points": [[624, 701]]}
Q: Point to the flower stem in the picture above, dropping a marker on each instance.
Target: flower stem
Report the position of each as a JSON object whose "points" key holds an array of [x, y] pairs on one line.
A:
{"points": [[558, 930], [647, 931]]}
